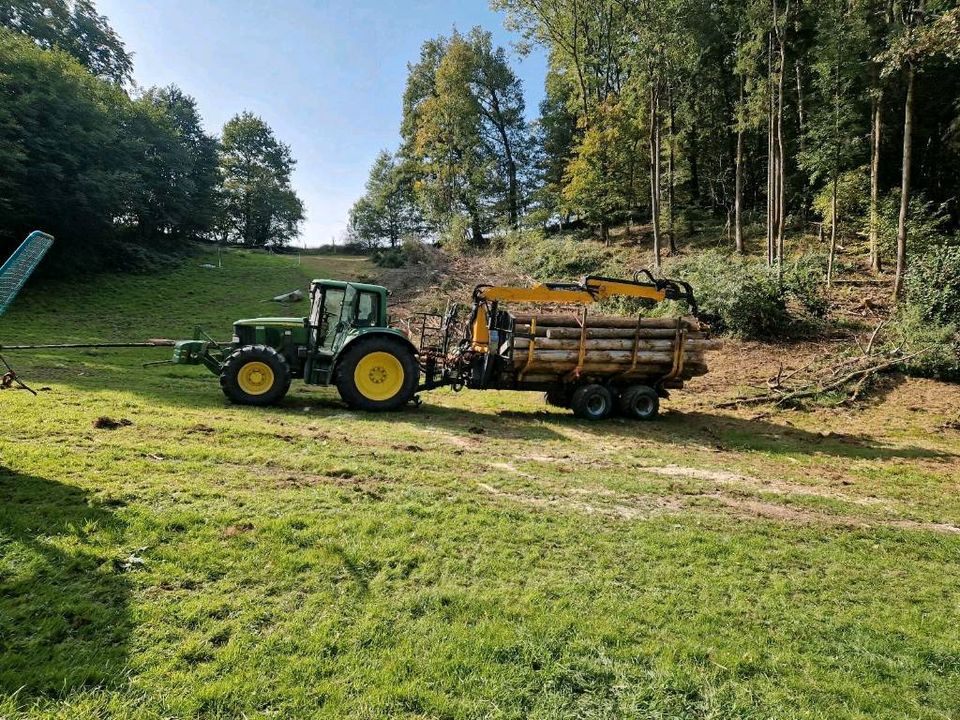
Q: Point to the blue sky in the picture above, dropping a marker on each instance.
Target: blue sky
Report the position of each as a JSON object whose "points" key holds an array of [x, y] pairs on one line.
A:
{"points": [[327, 76]]}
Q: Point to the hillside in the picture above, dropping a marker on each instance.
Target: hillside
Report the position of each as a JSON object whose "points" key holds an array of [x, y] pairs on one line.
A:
{"points": [[482, 555]]}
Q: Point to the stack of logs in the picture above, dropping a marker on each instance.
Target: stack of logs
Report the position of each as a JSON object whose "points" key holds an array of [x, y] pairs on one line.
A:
{"points": [[636, 348]]}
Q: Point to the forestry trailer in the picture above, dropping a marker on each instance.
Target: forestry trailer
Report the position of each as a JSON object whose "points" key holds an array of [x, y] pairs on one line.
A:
{"points": [[592, 364]]}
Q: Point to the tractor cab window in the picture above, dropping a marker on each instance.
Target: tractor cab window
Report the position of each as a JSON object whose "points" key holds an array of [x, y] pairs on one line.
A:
{"points": [[367, 309], [325, 315]]}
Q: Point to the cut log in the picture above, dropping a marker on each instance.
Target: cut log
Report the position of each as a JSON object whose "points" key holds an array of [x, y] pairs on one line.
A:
{"points": [[609, 333], [649, 371], [648, 361], [603, 321], [521, 344], [603, 356]]}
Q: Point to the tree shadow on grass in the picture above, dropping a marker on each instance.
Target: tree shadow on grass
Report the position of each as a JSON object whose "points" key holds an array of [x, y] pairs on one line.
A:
{"points": [[191, 388], [64, 617], [731, 433]]}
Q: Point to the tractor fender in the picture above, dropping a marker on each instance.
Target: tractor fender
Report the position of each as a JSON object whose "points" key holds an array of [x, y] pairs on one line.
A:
{"points": [[373, 332]]}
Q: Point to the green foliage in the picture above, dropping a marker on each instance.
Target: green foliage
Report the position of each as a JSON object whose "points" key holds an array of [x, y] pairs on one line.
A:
{"points": [[927, 221], [853, 191], [803, 280], [388, 211], [412, 251], [259, 207], [737, 295], [73, 26], [605, 178], [93, 168], [937, 344], [927, 319], [457, 235], [184, 180], [464, 132], [393, 257], [933, 284], [555, 258]]}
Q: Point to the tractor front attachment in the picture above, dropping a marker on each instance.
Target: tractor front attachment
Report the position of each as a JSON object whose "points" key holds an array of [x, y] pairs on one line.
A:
{"points": [[202, 350]]}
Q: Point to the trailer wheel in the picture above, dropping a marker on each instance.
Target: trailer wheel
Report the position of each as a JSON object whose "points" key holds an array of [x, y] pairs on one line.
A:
{"points": [[255, 375], [640, 402], [592, 402], [378, 373]]}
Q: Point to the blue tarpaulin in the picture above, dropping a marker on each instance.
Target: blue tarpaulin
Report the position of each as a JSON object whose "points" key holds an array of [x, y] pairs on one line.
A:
{"points": [[17, 270]]}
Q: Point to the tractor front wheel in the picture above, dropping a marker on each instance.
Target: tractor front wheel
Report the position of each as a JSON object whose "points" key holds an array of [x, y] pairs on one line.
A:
{"points": [[255, 375], [378, 373]]}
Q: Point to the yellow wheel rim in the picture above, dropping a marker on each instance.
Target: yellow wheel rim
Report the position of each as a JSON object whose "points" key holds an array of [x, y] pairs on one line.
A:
{"points": [[255, 378], [378, 376]]}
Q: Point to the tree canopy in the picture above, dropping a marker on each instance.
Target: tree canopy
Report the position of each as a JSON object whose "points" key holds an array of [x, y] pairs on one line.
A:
{"points": [[766, 113], [259, 207], [115, 174]]}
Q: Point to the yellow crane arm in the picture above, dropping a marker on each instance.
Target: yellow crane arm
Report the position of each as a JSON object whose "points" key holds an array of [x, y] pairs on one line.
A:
{"points": [[592, 290]]}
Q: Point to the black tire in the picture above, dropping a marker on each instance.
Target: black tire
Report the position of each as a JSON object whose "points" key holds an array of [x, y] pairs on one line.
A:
{"points": [[247, 384], [592, 402], [639, 402], [352, 359], [557, 397]]}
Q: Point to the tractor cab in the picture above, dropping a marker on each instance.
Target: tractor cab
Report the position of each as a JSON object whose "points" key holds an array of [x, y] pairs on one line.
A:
{"points": [[340, 310]]}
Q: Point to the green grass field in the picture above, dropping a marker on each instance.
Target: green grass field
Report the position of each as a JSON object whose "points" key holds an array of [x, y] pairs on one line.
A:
{"points": [[482, 556]]}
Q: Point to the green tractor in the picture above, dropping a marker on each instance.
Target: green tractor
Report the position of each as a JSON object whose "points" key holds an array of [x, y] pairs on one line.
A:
{"points": [[346, 341]]}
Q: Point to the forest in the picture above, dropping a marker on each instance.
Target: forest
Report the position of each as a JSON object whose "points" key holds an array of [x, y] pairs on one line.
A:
{"points": [[776, 118], [122, 176]]}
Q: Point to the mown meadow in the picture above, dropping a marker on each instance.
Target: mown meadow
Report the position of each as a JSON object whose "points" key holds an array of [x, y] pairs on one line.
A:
{"points": [[480, 556]]}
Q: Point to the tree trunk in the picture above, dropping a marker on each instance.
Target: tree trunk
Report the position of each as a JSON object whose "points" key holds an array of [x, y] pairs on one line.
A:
{"points": [[738, 184], [905, 182], [875, 263], [694, 165], [671, 166], [781, 164], [801, 128], [833, 230], [771, 160], [655, 171]]}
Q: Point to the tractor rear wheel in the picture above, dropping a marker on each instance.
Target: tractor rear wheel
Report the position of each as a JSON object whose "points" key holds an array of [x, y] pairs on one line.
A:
{"points": [[592, 402], [640, 402], [255, 375], [377, 373]]}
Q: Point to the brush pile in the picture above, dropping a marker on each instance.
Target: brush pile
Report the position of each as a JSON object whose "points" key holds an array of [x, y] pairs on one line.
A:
{"points": [[548, 347], [831, 379]]}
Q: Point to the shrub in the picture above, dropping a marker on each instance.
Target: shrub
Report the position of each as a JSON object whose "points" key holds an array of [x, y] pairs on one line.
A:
{"points": [[737, 295], [927, 222], [933, 284], [456, 236], [803, 279], [555, 258], [928, 317], [853, 187], [912, 332], [390, 257]]}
